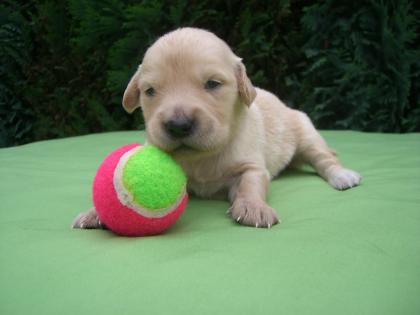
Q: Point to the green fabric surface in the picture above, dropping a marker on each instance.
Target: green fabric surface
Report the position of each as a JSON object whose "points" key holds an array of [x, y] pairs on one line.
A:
{"points": [[336, 252], [155, 180]]}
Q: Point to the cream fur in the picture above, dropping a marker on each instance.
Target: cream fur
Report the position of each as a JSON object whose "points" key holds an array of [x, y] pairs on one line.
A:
{"points": [[244, 137]]}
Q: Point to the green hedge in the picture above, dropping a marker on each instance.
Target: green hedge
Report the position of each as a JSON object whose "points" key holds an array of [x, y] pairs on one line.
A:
{"points": [[349, 65]]}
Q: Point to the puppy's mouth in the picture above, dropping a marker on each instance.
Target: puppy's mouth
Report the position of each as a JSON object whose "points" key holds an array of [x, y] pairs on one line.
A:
{"points": [[187, 152], [175, 147], [183, 148]]}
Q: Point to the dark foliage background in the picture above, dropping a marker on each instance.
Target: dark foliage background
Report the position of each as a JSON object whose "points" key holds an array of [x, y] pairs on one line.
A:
{"points": [[349, 64]]}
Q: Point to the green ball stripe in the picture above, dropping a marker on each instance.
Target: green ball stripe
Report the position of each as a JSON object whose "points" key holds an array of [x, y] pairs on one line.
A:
{"points": [[154, 179]]}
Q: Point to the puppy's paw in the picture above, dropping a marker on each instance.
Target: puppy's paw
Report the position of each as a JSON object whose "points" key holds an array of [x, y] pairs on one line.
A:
{"points": [[87, 220], [344, 179], [253, 213]]}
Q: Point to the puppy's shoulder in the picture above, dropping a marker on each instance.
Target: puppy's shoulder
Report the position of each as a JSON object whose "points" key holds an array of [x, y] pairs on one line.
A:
{"points": [[267, 100], [274, 111]]}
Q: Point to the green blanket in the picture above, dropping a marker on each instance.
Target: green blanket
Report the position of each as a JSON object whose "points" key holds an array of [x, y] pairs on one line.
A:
{"points": [[350, 252]]}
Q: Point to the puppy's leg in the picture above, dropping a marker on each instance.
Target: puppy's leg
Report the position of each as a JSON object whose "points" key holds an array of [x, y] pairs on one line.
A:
{"points": [[88, 220], [247, 196], [314, 150]]}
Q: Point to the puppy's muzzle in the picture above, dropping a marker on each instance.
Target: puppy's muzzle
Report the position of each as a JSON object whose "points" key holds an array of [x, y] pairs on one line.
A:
{"points": [[180, 127]]}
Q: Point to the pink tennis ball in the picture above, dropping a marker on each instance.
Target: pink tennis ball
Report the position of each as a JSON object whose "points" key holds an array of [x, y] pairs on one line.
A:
{"points": [[139, 190]]}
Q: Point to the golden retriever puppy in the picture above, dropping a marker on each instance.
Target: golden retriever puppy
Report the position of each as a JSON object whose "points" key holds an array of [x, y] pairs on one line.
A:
{"points": [[230, 137]]}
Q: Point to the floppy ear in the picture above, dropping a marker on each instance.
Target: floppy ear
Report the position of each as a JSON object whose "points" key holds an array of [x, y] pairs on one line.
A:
{"points": [[131, 98], [246, 90]]}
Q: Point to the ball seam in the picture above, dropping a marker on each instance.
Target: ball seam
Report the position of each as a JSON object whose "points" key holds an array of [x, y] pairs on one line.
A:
{"points": [[127, 199]]}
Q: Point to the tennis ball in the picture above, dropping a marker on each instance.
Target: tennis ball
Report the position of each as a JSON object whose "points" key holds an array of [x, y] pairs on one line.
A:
{"points": [[139, 190]]}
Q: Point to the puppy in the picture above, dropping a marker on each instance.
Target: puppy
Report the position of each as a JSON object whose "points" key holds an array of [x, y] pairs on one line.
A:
{"points": [[230, 137]]}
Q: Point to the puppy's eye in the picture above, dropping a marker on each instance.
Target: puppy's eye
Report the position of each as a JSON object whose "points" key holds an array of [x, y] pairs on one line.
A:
{"points": [[212, 85], [150, 92]]}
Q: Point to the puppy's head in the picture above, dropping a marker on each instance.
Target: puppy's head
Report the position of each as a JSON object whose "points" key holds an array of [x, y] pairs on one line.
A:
{"points": [[192, 89]]}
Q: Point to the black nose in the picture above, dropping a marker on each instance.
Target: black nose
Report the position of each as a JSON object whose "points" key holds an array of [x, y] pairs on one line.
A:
{"points": [[180, 127]]}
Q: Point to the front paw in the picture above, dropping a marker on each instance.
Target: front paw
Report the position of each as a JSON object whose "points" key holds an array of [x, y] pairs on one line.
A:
{"points": [[253, 213], [87, 220], [344, 179]]}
